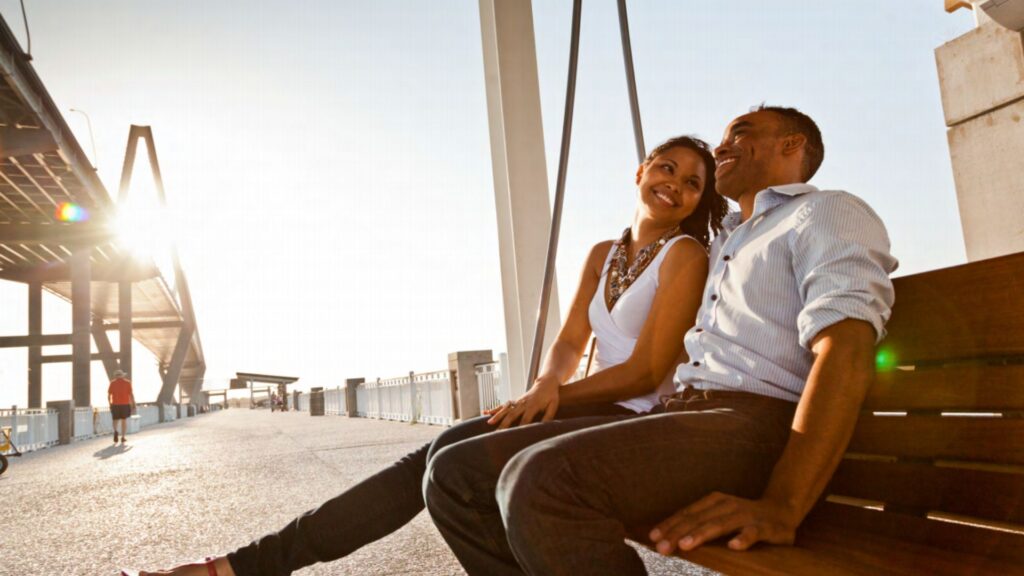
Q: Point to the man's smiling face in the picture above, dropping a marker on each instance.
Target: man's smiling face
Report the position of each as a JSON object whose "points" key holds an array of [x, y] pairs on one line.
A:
{"points": [[747, 156]]}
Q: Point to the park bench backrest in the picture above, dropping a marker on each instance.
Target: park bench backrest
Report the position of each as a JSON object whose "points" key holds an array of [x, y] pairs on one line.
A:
{"points": [[938, 454]]}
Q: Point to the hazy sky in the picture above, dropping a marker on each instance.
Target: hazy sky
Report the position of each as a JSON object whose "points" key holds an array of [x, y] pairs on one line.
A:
{"points": [[328, 167]]}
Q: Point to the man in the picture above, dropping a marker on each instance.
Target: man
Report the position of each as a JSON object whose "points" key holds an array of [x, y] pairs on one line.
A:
{"points": [[779, 362], [122, 403]]}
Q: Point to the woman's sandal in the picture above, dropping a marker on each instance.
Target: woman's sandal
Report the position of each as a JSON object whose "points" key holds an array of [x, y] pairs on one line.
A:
{"points": [[211, 570]]}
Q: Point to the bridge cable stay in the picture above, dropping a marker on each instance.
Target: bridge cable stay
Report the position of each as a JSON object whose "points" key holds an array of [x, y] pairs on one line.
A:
{"points": [[563, 161]]}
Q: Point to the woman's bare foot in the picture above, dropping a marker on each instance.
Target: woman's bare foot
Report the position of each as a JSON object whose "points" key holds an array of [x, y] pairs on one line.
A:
{"points": [[201, 568]]}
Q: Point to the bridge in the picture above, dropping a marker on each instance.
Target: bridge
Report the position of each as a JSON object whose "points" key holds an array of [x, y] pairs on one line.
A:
{"points": [[58, 233]]}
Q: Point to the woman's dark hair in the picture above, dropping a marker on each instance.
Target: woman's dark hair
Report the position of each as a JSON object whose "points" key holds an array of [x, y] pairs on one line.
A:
{"points": [[706, 219]]}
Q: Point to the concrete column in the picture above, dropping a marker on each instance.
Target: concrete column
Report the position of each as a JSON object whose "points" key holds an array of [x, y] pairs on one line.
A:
{"points": [[316, 401], [65, 419], [350, 395], [463, 368], [81, 325], [124, 322], [35, 352], [522, 203], [981, 78]]}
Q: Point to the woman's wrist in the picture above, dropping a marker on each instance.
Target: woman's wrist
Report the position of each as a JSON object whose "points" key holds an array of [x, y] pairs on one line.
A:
{"points": [[546, 382]]}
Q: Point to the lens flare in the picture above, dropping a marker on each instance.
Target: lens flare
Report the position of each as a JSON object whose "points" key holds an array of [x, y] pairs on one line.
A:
{"points": [[70, 212], [885, 360]]}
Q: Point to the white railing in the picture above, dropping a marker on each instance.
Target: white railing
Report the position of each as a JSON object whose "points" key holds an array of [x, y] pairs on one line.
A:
{"points": [[432, 398], [31, 429], [148, 415], [372, 400], [169, 412], [395, 399], [303, 402], [83, 423], [492, 379], [363, 400], [102, 422], [488, 378], [334, 402]]}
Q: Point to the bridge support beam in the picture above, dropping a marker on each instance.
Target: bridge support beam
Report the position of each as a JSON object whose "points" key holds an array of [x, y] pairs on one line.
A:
{"points": [[35, 351], [81, 325], [124, 326], [177, 361], [521, 197]]}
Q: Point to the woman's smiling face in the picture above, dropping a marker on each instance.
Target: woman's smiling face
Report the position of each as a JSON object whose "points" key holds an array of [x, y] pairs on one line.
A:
{"points": [[671, 184]]}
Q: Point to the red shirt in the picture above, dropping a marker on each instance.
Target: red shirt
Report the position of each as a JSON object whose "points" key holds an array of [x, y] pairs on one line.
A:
{"points": [[121, 390]]}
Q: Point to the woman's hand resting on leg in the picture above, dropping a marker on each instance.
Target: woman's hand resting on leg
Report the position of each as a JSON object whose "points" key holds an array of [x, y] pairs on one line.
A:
{"points": [[541, 400]]}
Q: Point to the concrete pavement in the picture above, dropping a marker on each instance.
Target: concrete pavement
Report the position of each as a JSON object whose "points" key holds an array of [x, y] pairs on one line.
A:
{"points": [[206, 485]]}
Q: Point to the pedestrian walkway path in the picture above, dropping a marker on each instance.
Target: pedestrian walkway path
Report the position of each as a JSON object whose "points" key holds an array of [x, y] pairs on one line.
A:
{"points": [[205, 485]]}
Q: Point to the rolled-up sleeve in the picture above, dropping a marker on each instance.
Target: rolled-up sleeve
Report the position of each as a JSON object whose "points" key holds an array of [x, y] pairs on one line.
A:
{"points": [[842, 263]]}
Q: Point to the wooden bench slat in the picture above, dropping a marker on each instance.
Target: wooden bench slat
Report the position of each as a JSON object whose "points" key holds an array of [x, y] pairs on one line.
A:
{"points": [[770, 561], [995, 496], [957, 538], [828, 548], [991, 440], [848, 554], [943, 315], [982, 387]]}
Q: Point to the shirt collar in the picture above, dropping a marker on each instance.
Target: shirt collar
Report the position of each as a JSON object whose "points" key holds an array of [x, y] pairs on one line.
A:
{"points": [[767, 199]]}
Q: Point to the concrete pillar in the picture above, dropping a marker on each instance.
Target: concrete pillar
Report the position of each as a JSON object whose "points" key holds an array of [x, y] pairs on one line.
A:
{"points": [[65, 419], [463, 368], [81, 325], [350, 395], [124, 322], [981, 78], [35, 352], [522, 203], [316, 401]]}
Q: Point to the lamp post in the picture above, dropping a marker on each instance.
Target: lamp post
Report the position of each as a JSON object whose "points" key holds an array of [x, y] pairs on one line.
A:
{"points": [[88, 122]]}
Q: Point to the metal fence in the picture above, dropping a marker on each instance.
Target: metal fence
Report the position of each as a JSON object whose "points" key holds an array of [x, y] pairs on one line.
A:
{"points": [[432, 397], [394, 399], [31, 429], [148, 414], [335, 403], [493, 386]]}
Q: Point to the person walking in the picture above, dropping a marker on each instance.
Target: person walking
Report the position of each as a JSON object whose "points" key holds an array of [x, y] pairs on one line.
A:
{"points": [[122, 403]]}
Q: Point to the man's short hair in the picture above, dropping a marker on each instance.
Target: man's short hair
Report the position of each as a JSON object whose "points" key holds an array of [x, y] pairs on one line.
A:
{"points": [[796, 122]]}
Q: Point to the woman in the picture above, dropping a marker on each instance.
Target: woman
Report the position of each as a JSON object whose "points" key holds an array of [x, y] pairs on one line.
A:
{"points": [[638, 295]]}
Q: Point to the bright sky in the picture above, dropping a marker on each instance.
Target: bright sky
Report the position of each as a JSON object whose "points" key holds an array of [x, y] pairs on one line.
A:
{"points": [[328, 166]]}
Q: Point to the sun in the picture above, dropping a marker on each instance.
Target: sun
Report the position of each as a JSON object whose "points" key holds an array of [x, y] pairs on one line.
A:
{"points": [[145, 232]]}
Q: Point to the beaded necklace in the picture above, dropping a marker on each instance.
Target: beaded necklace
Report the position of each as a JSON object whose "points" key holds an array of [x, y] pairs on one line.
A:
{"points": [[621, 276]]}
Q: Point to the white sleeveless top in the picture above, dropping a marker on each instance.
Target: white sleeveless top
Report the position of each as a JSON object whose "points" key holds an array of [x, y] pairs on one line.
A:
{"points": [[617, 331]]}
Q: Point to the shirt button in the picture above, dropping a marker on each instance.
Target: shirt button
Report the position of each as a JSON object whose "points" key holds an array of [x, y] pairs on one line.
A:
{"points": [[727, 258], [699, 330], [714, 297], [696, 363]]}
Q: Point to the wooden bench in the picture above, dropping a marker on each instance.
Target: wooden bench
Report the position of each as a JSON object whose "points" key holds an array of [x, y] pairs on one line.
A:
{"points": [[933, 480]]}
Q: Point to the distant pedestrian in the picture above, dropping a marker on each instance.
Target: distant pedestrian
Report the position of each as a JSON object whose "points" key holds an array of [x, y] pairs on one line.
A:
{"points": [[122, 403]]}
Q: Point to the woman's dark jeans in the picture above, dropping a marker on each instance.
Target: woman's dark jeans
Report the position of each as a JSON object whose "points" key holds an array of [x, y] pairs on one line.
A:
{"points": [[368, 511]]}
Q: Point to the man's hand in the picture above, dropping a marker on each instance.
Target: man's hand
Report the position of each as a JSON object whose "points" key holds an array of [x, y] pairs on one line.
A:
{"points": [[541, 399], [718, 514]]}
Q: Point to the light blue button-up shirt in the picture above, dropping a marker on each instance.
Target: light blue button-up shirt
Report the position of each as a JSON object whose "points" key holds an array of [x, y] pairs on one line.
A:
{"points": [[806, 259]]}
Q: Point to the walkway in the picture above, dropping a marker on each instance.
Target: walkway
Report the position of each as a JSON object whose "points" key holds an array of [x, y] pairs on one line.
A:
{"points": [[89, 507]]}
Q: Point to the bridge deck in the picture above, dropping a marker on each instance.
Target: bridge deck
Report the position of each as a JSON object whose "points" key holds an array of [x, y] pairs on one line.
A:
{"points": [[90, 507]]}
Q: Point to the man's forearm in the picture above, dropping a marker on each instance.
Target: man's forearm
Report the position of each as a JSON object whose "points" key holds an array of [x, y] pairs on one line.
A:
{"points": [[825, 417]]}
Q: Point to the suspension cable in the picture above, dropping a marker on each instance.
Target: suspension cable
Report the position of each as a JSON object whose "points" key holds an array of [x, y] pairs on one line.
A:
{"points": [[556, 216], [634, 101]]}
